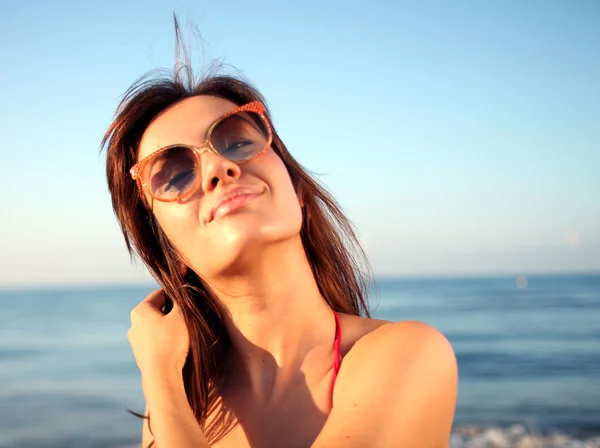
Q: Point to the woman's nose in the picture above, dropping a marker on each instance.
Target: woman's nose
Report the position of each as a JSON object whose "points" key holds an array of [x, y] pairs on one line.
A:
{"points": [[216, 170]]}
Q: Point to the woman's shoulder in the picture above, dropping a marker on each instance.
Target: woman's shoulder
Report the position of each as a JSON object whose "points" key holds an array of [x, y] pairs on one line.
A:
{"points": [[397, 386], [380, 345], [368, 332]]}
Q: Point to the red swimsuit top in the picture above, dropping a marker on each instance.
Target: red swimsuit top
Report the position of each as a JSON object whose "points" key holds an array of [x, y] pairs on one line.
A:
{"points": [[337, 360]]}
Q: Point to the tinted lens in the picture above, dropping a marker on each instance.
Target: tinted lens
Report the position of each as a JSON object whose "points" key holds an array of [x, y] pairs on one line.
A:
{"points": [[172, 173], [240, 136]]}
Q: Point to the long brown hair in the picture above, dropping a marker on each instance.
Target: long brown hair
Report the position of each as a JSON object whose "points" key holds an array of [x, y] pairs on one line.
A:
{"points": [[337, 260]]}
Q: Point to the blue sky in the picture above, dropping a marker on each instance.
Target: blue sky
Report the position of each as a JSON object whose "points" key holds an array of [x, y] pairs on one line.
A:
{"points": [[460, 137]]}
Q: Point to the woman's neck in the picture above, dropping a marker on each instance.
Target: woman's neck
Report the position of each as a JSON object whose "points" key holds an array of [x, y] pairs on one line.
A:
{"points": [[277, 319]]}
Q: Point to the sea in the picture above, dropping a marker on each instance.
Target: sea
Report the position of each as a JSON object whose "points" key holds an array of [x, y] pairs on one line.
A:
{"points": [[528, 351]]}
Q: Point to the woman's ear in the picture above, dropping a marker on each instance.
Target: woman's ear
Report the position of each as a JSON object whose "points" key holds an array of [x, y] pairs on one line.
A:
{"points": [[182, 268]]}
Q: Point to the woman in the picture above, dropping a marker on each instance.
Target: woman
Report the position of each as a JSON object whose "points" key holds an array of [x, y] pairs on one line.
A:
{"points": [[257, 336]]}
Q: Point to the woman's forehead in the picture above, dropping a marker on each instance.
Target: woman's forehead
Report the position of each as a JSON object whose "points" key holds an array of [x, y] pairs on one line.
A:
{"points": [[186, 122]]}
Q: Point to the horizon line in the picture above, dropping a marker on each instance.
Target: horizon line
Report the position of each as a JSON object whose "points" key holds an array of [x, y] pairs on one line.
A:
{"points": [[377, 277]]}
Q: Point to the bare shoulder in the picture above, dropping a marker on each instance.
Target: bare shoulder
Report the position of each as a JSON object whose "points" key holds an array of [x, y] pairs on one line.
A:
{"points": [[362, 335], [355, 328], [394, 353], [397, 386]]}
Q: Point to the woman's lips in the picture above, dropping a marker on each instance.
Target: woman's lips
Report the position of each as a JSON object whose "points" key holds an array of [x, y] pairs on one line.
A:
{"points": [[232, 204]]}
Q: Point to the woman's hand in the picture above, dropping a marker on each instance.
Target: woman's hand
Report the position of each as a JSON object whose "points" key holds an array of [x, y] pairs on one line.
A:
{"points": [[160, 342]]}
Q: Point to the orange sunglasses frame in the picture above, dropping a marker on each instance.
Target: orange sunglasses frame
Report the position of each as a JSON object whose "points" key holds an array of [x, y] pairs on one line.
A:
{"points": [[138, 168]]}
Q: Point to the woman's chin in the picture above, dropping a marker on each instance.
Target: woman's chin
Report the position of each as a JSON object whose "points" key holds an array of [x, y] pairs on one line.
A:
{"points": [[242, 229], [253, 240], [240, 251]]}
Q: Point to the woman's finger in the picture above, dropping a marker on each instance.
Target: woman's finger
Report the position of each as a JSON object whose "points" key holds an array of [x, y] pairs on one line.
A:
{"points": [[156, 299], [151, 305], [175, 312]]}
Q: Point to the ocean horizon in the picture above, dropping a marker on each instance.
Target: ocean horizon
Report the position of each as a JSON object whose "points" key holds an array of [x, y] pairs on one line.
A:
{"points": [[528, 350]]}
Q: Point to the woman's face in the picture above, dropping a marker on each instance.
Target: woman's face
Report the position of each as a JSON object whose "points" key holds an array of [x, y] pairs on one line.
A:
{"points": [[216, 240]]}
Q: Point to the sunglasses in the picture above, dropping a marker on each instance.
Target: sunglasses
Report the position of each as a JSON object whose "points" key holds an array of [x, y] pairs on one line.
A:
{"points": [[174, 172]]}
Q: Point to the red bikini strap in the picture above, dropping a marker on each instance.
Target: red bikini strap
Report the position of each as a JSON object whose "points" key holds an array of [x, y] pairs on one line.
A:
{"points": [[337, 360]]}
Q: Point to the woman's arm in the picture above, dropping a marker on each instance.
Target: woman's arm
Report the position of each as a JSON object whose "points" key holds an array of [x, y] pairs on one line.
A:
{"points": [[160, 343], [397, 388], [172, 419]]}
